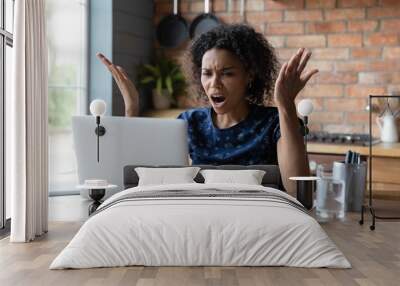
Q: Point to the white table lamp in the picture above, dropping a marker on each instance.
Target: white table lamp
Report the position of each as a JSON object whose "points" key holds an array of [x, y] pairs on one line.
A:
{"points": [[305, 107], [97, 109]]}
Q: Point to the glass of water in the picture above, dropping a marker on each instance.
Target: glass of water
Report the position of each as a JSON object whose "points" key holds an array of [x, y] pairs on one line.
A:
{"points": [[330, 195]]}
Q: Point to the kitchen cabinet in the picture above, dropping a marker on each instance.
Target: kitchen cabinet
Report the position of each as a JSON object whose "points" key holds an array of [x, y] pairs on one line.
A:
{"points": [[385, 164]]}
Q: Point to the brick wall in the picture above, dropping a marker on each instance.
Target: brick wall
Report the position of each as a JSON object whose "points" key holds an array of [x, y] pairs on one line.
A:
{"points": [[355, 45]]}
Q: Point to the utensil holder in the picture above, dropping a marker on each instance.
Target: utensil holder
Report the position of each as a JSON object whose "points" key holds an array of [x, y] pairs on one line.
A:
{"points": [[354, 177]]}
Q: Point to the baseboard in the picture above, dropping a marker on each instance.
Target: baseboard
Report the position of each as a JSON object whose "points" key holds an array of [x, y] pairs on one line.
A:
{"points": [[5, 231]]}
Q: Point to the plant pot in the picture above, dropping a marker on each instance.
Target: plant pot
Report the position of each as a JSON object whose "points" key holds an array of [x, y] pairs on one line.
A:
{"points": [[161, 101]]}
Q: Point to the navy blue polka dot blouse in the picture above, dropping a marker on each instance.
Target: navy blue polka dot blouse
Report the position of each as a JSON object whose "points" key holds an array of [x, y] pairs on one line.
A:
{"points": [[251, 141]]}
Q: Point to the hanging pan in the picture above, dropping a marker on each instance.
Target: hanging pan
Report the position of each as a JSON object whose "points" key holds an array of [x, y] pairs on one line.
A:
{"points": [[242, 12], [172, 29], [204, 22]]}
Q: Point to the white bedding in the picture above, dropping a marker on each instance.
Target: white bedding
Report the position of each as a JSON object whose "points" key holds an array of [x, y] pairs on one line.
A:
{"points": [[185, 231]]}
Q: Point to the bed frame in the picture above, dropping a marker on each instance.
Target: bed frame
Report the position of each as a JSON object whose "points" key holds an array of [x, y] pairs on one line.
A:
{"points": [[272, 177]]}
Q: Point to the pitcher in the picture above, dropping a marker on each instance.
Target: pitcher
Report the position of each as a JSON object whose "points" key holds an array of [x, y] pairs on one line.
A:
{"points": [[387, 127], [330, 195]]}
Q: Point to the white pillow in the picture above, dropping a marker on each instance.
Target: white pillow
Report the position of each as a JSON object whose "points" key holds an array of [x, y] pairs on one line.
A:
{"points": [[248, 177], [163, 176]]}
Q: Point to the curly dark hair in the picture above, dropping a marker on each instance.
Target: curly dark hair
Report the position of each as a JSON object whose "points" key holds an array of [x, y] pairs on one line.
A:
{"points": [[252, 48]]}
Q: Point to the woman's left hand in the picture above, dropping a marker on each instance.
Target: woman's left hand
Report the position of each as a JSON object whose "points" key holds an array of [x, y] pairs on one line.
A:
{"points": [[291, 79]]}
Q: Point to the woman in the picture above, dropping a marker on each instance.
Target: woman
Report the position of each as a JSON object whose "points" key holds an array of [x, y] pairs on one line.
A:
{"points": [[235, 68]]}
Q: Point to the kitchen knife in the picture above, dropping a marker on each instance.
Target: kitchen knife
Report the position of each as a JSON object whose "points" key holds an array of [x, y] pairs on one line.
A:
{"points": [[356, 158], [351, 156], [347, 158]]}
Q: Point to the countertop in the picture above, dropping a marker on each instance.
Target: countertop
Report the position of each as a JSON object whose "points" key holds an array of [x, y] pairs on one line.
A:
{"points": [[379, 150]]}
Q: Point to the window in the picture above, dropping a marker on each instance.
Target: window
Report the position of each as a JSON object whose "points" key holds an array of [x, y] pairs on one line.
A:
{"points": [[67, 44], [6, 43]]}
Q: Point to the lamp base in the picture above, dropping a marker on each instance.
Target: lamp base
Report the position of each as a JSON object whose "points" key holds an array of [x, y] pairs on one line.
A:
{"points": [[100, 130], [305, 190], [305, 193], [96, 195]]}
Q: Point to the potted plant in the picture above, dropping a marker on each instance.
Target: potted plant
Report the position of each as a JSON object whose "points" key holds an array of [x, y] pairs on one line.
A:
{"points": [[165, 78]]}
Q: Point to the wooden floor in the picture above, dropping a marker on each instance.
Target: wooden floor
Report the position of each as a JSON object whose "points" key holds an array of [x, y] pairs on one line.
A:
{"points": [[374, 255]]}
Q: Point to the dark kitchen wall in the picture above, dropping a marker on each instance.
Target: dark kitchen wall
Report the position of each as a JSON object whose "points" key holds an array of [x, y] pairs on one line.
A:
{"points": [[123, 30], [355, 45], [133, 32]]}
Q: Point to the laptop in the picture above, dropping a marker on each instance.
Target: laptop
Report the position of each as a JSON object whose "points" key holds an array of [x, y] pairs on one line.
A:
{"points": [[127, 141]]}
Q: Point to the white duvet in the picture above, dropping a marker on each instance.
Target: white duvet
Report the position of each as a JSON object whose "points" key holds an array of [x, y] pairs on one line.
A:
{"points": [[200, 231]]}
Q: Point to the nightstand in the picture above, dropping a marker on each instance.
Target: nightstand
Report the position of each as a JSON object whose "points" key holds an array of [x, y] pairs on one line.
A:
{"points": [[96, 193]]}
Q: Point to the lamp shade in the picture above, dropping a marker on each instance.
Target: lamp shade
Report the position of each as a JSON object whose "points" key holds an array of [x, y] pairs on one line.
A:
{"points": [[305, 107], [98, 107]]}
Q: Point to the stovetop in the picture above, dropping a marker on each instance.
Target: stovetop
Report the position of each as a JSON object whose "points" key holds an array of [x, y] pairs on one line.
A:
{"points": [[341, 138]]}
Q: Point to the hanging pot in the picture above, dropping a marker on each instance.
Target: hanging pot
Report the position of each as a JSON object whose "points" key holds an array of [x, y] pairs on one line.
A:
{"points": [[204, 22], [172, 29]]}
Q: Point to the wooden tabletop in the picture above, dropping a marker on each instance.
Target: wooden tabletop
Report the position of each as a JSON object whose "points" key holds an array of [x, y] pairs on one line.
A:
{"points": [[379, 150]]}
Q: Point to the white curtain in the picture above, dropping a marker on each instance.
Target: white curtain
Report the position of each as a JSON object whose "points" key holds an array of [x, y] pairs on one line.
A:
{"points": [[27, 119]]}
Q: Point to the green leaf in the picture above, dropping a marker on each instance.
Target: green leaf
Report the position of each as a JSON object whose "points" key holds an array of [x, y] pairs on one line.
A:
{"points": [[147, 80], [163, 73], [168, 83], [178, 77], [153, 69], [159, 85], [174, 69]]}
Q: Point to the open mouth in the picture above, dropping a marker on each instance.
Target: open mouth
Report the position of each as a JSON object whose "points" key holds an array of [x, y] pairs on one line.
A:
{"points": [[218, 99]]}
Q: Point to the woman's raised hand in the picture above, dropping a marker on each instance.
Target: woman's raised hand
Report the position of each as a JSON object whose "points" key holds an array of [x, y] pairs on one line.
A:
{"points": [[291, 78], [125, 85]]}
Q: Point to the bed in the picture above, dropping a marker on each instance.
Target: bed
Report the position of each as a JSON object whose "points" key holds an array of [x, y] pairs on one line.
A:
{"points": [[197, 224]]}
